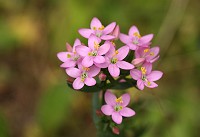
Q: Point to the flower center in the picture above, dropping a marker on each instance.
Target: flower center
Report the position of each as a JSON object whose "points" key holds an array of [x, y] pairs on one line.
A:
{"points": [[83, 76], [114, 60], [93, 53], [118, 108], [146, 50], [101, 28], [119, 100], [68, 56], [96, 45], [136, 34]]}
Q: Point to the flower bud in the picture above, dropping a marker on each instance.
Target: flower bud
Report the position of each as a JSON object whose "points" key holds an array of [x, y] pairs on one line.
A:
{"points": [[99, 113], [70, 80], [68, 47], [115, 130], [102, 77], [116, 32]]}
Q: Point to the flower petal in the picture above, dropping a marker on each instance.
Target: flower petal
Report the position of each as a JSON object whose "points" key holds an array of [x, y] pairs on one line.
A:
{"points": [[63, 56], [103, 49], [90, 81], [107, 37], [77, 42], [107, 110], [108, 29], [132, 46], [68, 64], [87, 61], [151, 84], [146, 39], [140, 84], [148, 67], [122, 52], [124, 65], [99, 59], [116, 117], [138, 61], [111, 51], [126, 99], [73, 72], [93, 71], [92, 40], [110, 98], [95, 23], [85, 32], [125, 38], [133, 30], [113, 70], [127, 112], [154, 75], [77, 84], [155, 59], [82, 50], [68, 47], [136, 74]]}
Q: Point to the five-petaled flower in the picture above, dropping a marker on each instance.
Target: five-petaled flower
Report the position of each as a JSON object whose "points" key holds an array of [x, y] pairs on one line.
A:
{"points": [[98, 30], [134, 39], [116, 107], [83, 76], [145, 76]]}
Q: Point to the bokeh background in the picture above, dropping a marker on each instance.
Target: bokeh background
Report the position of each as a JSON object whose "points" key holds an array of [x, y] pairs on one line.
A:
{"points": [[34, 98]]}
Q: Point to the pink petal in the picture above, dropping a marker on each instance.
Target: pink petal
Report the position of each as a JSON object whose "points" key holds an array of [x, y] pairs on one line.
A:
{"points": [[103, 49], [63, 56], [155, 59], [116, 32], [107, 37], [77, 42], [108, 29], [138, 61], [133, 30], [154, 75], [140, 84], [85, 32], [146, 39], [73, 72], [102, 65], [127, 112], [132, 46], [92, 40], [68, 64], [68, 47], [82, 50], [136, 74], [122, 52], [148, 67], [90, 81], [77, 84], [116, 117], [152, 84], [99, 59], [93, 71], [125, 38], [107, 110], [111, 51], [124, 65], [126, 99], [113, 70], [95, 23], [87, 61], [154, 51], [110, 98]]}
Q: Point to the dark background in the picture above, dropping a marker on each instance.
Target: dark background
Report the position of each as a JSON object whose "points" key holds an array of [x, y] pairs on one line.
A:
{"points": [[34, 98]]}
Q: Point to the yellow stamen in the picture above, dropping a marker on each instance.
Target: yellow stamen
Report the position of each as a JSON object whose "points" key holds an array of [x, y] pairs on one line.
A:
{"points": [[89, 53], [94, 28], [116, 52], [143, 69], [82, 79], [148, 83], [74, 52], [151, 53], [136, 34], [119, 100], [68, 56], [146, 50], [113, 43], [101, 28], [86, 68], [96, 45]]}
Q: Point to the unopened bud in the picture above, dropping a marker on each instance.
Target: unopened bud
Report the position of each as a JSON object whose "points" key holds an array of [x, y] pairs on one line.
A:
{"points": [[115, 130], [70, 80], [99, 113], [68, 47], [102, 77], [116, 32]]}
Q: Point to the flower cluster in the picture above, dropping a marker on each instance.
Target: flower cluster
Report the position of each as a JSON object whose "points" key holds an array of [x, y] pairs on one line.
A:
{"points": [[126, 66]]}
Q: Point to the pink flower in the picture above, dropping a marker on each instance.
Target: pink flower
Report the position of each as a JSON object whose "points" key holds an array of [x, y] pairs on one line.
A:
{"points": [[114, 61], [83, 76], [69, 58], [116, 107], [134, 39], [98, 30], [93, 53], [146, 76], [116, 32], [102, 77], [146, 54]]}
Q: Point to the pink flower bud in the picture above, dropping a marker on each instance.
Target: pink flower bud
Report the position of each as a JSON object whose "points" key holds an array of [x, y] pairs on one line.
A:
{"points": [[115, 130], [102, 77], [68, 47], [116, 32]]}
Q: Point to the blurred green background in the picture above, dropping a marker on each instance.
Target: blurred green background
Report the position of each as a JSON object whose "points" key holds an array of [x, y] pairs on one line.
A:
{"points": [[34, 98]]}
